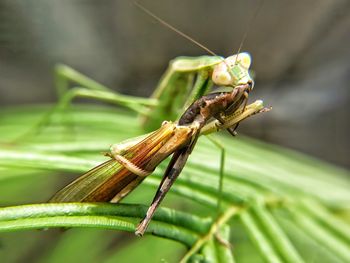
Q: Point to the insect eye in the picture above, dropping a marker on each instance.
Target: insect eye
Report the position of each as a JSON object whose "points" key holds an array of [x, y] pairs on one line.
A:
{"points": [[244, 59], [222, 78]]}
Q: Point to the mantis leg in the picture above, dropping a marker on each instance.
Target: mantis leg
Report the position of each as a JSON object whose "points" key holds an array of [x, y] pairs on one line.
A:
{"points": [[222, 149], [64, 75], [185, 80], [201, 86], [84, 88]]}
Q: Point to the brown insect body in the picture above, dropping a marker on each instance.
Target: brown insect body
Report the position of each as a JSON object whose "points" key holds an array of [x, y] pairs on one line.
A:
{"points": [[110, 181], [214, 105]]}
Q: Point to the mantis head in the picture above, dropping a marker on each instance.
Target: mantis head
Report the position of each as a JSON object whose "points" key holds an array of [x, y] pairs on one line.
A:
{"points": [[233, 71]]}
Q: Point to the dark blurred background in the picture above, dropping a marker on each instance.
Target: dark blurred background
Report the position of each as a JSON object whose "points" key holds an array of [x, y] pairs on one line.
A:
{"points": [[300, 49]]}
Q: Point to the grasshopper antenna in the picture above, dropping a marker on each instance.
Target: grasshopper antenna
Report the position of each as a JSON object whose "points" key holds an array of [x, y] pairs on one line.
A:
{"points": [[144, 9], [251, 20]]}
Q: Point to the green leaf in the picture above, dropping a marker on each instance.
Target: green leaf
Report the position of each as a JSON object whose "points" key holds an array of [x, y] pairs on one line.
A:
{"points": [[273, 190]]}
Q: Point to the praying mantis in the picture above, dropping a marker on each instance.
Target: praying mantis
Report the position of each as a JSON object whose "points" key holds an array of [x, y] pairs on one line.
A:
{"points": [[131, 163], [197, 111]]}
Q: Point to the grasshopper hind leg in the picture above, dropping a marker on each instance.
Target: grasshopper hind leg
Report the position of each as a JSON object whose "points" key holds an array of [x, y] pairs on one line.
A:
{"points": [[173, 170]]}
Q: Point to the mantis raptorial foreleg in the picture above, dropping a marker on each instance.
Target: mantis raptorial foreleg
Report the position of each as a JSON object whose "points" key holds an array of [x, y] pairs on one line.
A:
{"points": [[185, 80], [188, 78]]}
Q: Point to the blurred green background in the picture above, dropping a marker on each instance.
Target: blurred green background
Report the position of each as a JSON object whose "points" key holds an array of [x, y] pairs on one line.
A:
{"points": [[301, 66], [299, 48]]}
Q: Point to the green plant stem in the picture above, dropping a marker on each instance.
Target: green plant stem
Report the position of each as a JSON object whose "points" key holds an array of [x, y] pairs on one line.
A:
{"points": [[167, 223], [214, 229], [261, 241]]}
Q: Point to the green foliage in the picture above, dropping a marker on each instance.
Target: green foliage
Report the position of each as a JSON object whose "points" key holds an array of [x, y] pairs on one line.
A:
{"points": [[278, 205]]}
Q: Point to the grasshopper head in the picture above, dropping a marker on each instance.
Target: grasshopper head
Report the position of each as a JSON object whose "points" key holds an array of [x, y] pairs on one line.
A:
{"points": [[233, 71]]}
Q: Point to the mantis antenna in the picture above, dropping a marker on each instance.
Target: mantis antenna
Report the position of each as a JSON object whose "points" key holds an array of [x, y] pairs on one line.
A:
{"points": [[160, 20], [150, 13], [255, 14], [174, 29]]}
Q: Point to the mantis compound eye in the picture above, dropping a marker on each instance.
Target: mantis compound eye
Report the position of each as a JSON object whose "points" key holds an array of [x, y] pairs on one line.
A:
{"points": [[233, 71], [221, 75], [244, 59]]}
